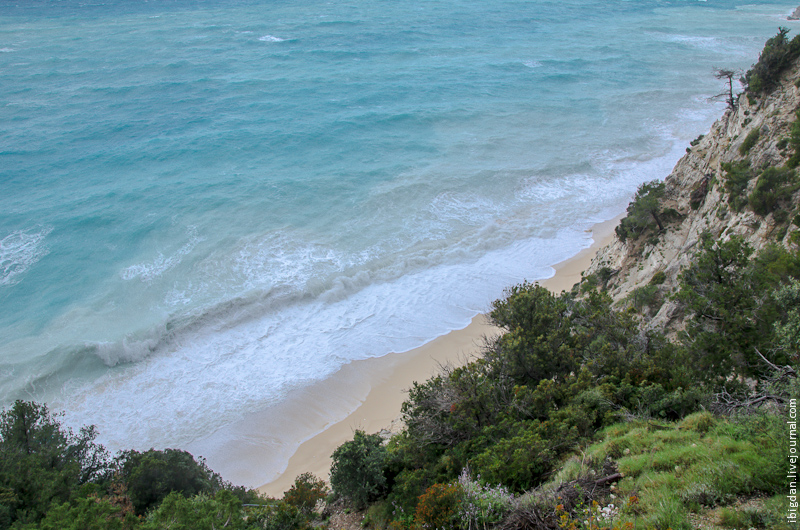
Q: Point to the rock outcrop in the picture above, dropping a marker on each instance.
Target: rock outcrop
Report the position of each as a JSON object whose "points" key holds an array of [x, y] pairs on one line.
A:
{"points": [[695, 189]]}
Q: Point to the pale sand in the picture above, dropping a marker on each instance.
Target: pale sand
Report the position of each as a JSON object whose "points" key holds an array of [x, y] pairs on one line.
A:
{"points": [[380, 384]]}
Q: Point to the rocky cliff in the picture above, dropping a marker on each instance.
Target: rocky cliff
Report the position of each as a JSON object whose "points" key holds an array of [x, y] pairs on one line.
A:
{"points": [[698, 199]]}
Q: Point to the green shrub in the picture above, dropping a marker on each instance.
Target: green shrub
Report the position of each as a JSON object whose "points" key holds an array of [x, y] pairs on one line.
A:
{"points": [[357, 469], [794, 141], [88, 513], [177, 512], [745, 518], [777, 55], [658, 278], [700, 422], [518, 462], [643, 211], [43, 462], [644, 296], [737, 178], [773, 186], [536, 344], [150, 476], [750, 140], [277, 515], [483, 506]]}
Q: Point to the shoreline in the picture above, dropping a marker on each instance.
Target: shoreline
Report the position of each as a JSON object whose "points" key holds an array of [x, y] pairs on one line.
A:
{"points": [[379, 385]]}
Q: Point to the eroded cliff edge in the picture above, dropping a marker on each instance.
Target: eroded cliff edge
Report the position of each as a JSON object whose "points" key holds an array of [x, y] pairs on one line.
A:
{"points": [[698, 198]]}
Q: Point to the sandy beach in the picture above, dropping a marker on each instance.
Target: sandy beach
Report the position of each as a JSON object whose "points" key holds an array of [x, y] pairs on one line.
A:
{"points": [[383, 381]]}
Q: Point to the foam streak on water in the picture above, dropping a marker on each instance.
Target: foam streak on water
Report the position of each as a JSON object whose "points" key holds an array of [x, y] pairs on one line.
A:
{"points": [[205, 205]]}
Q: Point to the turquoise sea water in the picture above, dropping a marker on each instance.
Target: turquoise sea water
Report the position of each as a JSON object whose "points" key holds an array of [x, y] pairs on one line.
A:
{"points": [[204, 205]]}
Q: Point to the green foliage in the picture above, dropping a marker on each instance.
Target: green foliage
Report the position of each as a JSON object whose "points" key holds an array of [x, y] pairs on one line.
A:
{"points": [[737, 178], [644, 296], [774, 185], [483, 505], [746, 518], [750, 140], [199, 512], [787, 330], [777, 56], [537, 343], [729, 297], [513, 414], [152, 475], [701, 461], [717, 289], [43, 462], [597, 279], [306, 491], [643, 211], [278, 516], [518, 461], [794, 141], [357, 469], [438, 508], [88, 513]]}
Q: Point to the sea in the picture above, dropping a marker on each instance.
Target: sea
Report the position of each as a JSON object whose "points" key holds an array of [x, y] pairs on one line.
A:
{"points": [[206, 205]]}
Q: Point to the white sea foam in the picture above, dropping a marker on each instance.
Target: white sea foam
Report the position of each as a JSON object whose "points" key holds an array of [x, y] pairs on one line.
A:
{"points": [[252, 363], [151, 270], [7, 50], [532, 64], [270, 38], [19, 251]]}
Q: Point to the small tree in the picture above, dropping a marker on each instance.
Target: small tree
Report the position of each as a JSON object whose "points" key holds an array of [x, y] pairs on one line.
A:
{"points": [[646, 206], [538, 343], [176, 512], [438, 507], [305, 492], [357, 469], [775, 58], [42, 462], [152, 475], [727, 75]]}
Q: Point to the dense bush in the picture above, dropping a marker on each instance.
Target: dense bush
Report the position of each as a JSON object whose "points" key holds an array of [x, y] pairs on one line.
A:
{"points": [[43, 462], [88, 513], [774, 186], [438, 508], [776, 57], [729, 297], [357, 469], [737, 178], [643, 211], [306, 491], [750, 140], [152, 475]]}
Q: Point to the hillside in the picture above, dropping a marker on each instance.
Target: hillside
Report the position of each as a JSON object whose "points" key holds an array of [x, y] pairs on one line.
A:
{"points": [[705, 200]]}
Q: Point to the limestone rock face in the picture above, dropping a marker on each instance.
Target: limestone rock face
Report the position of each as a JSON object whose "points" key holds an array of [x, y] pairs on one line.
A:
{"points": [[795, 15], [698, 179]]}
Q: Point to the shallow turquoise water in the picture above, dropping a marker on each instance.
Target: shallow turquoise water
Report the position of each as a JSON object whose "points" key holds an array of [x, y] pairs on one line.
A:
{"points": [[216, 202]]}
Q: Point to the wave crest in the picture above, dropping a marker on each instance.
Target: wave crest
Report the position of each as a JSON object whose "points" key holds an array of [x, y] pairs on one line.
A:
{"points": [[19, 251]]}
